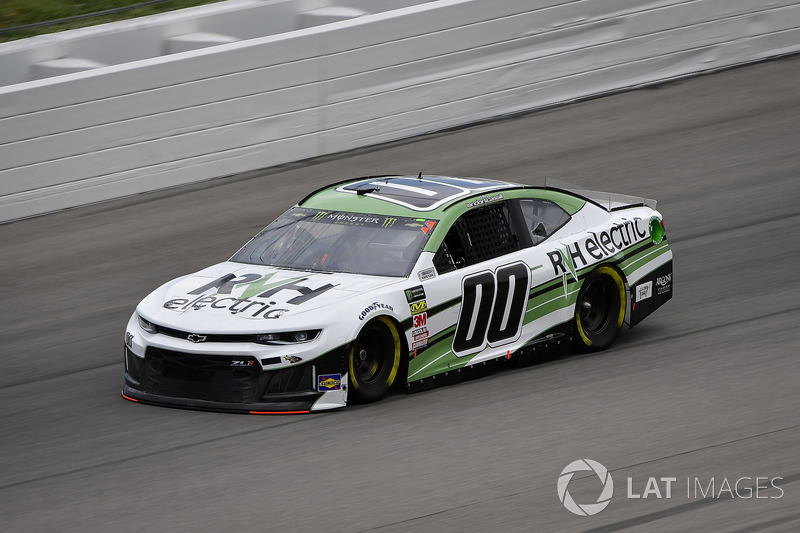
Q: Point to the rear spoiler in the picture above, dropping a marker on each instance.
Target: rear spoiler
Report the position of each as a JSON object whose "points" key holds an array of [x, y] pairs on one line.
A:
{"points": [[607, 200]]}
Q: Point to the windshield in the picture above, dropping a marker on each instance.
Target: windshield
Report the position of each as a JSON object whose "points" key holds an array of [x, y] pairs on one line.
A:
{"points": [[331, 241]]}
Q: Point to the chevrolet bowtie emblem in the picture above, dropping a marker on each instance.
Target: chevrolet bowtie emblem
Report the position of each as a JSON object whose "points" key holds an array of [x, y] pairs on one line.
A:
{"points": [[194, 337]]}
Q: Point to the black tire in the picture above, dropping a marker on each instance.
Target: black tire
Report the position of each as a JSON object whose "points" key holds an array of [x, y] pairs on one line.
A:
{"points": [[374, 360], [600, 309]]}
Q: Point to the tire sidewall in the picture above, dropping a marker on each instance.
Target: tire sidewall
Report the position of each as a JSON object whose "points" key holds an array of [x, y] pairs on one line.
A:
{"points": [[600, 340], [382, 384]]}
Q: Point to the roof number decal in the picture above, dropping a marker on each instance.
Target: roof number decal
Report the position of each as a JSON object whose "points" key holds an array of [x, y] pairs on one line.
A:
{"points": [[424, 194]]}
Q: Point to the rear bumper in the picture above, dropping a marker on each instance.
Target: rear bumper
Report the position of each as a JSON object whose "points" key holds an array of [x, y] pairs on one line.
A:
{"points": [[650, 293]]}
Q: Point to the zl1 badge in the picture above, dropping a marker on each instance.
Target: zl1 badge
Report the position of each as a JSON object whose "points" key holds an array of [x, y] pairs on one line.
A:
{"points": [[329, 382]]}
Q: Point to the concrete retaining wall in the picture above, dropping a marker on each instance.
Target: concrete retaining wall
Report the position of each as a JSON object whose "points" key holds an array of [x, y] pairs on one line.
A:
{"points": [[164, 121]]}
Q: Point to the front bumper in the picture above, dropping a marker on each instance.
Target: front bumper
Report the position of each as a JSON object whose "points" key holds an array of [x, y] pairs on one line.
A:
{"points": [[234, 383]]}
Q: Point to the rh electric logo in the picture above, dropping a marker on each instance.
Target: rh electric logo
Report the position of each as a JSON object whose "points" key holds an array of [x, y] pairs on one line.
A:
{"points": [[586, 509]]}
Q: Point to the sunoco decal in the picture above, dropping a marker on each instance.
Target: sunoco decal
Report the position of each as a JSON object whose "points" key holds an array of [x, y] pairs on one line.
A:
{"points": [[329, 382]]}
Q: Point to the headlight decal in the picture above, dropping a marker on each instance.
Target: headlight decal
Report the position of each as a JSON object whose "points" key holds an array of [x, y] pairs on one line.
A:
{"points": [[289, 337], [146, 325]]}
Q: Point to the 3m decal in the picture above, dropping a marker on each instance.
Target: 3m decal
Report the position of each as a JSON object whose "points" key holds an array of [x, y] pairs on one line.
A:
{"points": [[492, 308], [420, 320], [329, 382], [644, 291], [415, 294], [418, 307], [428, 273]]}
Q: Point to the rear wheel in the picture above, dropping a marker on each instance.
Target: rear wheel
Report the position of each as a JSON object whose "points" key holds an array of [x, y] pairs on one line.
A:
{"points": [[600, 309], [374, 359]]}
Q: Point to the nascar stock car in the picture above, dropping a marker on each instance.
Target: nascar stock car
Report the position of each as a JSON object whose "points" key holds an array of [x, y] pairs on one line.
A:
{"points": [[397, 279]]}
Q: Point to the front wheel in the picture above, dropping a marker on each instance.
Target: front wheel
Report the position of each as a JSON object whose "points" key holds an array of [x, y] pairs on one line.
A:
{"points": [[374, 359], [600, 309]]}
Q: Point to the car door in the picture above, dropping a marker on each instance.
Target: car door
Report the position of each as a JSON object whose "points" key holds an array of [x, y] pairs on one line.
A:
{"points": [[485, 269]]}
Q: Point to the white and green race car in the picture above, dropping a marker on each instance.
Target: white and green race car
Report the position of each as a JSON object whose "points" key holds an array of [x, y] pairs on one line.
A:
{"points": [[383, 280]]}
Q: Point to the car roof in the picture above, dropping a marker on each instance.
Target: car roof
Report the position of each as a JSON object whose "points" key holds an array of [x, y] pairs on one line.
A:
{"points": [[424, 195]]}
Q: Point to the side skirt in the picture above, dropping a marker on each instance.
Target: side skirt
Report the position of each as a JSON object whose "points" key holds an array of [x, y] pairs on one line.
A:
{"points": [[555, 342]]}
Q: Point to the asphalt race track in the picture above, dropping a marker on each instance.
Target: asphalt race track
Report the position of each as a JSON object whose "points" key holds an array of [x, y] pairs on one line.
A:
{"points": [[705, 391]]}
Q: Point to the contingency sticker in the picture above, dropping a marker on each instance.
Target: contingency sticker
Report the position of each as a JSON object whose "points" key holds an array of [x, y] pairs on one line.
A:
{"points": [[425, 275], [644, 291], [415, 294], [329, 382]]}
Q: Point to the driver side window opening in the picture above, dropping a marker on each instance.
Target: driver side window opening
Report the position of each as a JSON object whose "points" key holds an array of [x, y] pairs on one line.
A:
{"points": [[542, 218], [478, 235]]}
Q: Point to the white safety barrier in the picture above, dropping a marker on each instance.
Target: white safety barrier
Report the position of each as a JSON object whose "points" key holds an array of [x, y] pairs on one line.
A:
{"points": [[124, 129]]}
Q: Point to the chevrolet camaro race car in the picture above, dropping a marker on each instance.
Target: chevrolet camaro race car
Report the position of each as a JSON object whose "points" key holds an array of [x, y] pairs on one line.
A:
{"points": [[415, 280]]}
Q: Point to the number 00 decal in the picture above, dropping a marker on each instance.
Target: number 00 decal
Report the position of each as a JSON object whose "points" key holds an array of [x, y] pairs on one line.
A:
{"points": [[492, 308]]}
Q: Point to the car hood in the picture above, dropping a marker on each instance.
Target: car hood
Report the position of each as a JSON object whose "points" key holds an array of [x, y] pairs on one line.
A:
{"points": [[241, 298]]}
